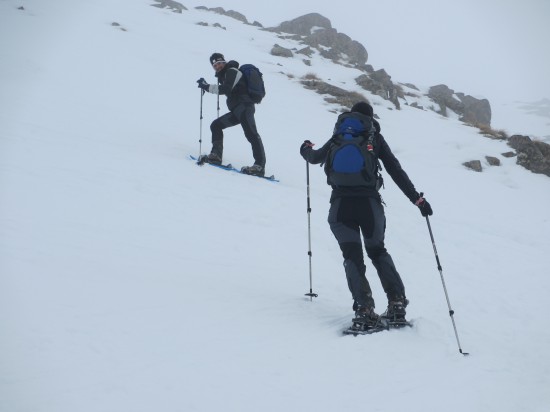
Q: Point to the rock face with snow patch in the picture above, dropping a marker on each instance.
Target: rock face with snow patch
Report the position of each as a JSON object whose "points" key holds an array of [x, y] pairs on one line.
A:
{"points": [[473, 111], [304, 25], [230, 13], [316, 31], [533, 155], [170, 4], [281, 51], [379, 83]]}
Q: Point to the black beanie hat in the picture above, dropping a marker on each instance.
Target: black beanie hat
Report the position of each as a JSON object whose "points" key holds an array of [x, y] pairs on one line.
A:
{"points": [[363, 107], [217, 57]]}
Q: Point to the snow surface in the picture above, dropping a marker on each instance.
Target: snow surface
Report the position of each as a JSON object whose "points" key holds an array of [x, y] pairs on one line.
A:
{"points": [[133, 280]]}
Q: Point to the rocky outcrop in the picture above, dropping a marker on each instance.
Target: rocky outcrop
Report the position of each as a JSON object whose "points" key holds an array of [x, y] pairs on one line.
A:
{"points": [[170, 4], [533, 155], [317, 32], [471, 110], [304, 25], [476, 111], [379, 83], [281, 51], [230, 13], [333, 94]]}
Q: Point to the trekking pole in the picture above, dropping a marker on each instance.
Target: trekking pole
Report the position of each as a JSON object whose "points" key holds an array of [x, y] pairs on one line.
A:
{"points": [[200, 128], [310, 294], [451, 312]]}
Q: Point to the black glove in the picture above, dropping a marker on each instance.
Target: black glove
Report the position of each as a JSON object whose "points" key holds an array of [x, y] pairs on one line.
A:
{"points": [[305, 145], [202, 84], [424, 206]]}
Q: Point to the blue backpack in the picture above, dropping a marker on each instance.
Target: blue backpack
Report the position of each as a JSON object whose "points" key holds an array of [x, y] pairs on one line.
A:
{"points": [[254, 82], [351, 160]]}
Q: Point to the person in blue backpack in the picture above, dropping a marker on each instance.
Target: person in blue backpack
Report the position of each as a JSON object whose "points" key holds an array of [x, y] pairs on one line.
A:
{"points": [[241, 111], [352, 166]]}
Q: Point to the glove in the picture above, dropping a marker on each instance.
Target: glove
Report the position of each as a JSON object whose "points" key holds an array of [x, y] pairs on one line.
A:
{"points": [[424, 206], [305, 145], [203, 84]]}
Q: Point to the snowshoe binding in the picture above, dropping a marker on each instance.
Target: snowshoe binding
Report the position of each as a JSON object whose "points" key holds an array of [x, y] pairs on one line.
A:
{"points": [[366, 321], [394, 316], [255, 170], [211, 158]]}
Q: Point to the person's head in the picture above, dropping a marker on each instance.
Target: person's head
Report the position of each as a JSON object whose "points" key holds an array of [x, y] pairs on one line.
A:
{"points": [[363, 107], [217, 61]]}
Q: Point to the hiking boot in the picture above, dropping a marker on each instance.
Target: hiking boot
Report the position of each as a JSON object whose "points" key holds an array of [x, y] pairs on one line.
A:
{"points": [[396, 310], [255, 170], [366, 317], [211, 158]]}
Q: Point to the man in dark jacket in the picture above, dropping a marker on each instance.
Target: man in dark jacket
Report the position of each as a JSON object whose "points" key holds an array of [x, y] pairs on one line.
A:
{"points": [[357, 210], [241, 111]]}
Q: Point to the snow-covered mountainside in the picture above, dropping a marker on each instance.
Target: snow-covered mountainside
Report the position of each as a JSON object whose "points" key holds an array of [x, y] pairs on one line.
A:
{"points": [[133, 280]]}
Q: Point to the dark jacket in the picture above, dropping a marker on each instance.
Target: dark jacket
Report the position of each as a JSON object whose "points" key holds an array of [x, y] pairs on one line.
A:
{"points": [[232, 84], [382, 152]]}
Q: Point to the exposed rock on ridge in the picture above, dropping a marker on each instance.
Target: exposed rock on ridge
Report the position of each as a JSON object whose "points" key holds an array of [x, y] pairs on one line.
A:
{"points": [[473, 111]]}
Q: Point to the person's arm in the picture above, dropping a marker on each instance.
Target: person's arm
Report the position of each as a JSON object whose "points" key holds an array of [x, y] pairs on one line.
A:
{"points": [[315, 156], [232, 77]]}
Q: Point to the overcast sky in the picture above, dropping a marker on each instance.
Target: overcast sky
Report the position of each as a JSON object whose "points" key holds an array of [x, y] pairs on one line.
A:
{"points": [[497, 49]]}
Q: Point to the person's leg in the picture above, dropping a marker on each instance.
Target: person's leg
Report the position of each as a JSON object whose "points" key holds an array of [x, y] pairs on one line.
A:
{"points": [[217, 127], [248, 124], [373, 236], [346, 231]]}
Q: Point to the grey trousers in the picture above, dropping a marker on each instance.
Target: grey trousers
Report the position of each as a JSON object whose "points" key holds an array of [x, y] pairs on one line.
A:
{"points": [[243, 114], [349, 218]]}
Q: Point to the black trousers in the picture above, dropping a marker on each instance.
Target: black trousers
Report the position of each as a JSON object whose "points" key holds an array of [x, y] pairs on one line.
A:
{"points": [[243, 114], [349, 218]]}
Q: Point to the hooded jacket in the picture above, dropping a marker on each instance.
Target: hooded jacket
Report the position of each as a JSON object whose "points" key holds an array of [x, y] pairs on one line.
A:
{"points": [[383, 152], [231, 84]]}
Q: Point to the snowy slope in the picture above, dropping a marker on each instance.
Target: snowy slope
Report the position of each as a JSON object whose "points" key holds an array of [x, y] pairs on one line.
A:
{"points": [[133, 280]]}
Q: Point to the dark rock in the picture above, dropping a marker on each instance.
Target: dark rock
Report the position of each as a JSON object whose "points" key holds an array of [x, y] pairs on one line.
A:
{"points": [[336, 95], [316, 31], [533, 155], [473, 111], [379, 83], [493, 161], [303, 25], [476, 111], [518, 141], [475, 165], [236, 15], [170, 4], [281, 51], [308, 51], [229, 13]]}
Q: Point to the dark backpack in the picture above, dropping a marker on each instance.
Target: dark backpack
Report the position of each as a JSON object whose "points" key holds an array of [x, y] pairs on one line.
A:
{"points": [[254, 82], [351, 160]]}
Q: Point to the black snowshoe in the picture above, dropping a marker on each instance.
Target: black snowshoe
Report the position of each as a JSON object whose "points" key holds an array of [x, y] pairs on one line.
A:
{"points": [[394, 316], [366, 321]]}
